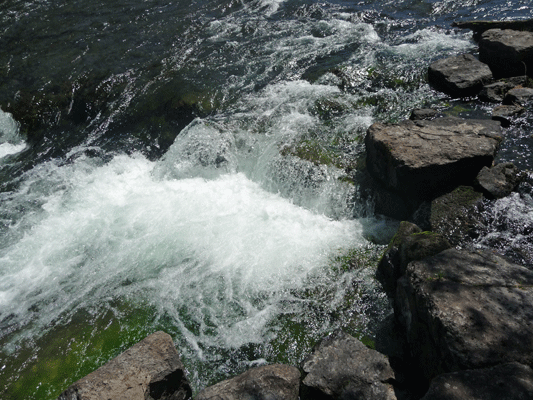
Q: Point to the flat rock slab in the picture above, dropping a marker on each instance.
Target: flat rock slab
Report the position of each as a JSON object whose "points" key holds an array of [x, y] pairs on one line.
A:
{"points": [[424, 159], [505, 381], [481, 26], [466, 310], [459, 76], [341, 367], [151, 369], [269, 382], [507, 52]]}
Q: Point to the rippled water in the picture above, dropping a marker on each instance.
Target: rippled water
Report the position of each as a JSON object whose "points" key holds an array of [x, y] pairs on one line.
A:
{"points": [[185, 166]]}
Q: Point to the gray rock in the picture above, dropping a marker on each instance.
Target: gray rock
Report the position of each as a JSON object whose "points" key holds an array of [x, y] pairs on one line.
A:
{"points": [[481, 26], [423, 159], [459, 76], [269, 382], [507, 52], [505, 381], [149, 370], [495, 92], [498, 181], [505, 113], [519, 96], [423, 113], [466, 310], [389, 266], [418, 246], [457, 215], [341, 367]]}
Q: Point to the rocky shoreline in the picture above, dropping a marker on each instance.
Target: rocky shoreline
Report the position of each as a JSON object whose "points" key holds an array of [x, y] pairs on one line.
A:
{"points": [[462, 327]]}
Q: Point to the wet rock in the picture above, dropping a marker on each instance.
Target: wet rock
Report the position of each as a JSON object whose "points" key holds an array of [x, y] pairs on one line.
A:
{"points": [[507, 52], [420, 245], [459, 76], [424, 159], [423, 113], [388, 269], [457, 215], [269, 382], [151, 369], [466, 310], [498, 181], [519, 96], [505, 381], [341, 367], [505, 113], [495, 92], [481, 26]]}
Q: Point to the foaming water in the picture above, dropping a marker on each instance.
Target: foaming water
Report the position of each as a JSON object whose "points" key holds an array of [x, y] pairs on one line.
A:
{"points": [[10, 140]]}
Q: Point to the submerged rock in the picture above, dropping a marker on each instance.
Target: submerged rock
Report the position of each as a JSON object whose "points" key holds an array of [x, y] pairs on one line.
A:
{"points": [[505, 381], [507, 52], [269, 382], [498, 181], [424, 159], [466, 310], [341, 367], [459, 76], [423, 113], [505, 113], [151, 369]]}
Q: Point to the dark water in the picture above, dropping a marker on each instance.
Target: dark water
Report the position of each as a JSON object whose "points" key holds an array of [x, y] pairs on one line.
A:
{"points": [[182, 166]]}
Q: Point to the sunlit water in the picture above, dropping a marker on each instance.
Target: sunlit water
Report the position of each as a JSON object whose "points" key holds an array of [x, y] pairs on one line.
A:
{"points": [[237, 227]]}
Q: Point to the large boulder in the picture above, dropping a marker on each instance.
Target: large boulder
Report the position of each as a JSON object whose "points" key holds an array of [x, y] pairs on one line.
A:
{"points": [[481, 26], [507, 52], [505, 381], [269, 382], [341, 367], [151, 369], [459, 76], [466, 310], [424, 159]]}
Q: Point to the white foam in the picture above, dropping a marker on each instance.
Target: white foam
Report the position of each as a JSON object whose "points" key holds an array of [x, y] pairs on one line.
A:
{"points": [[10, 140]]}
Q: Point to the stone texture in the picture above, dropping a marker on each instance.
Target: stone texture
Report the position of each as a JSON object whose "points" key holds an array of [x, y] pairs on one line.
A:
{"points": [[341, 367], [519, 96], [457, 215], [423, 113], [459, 76], [424, 159], [149, 370], [505, 381], [507, 52], [466, 310], [498, 181], [495, 92], [481, 26], [388, 269], [505, 113], [418, 246], [269, 382]]}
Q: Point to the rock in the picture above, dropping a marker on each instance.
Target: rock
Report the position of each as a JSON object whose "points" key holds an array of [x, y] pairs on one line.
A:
{"points": [[459, 76], [423, 113], [389, 266], [495, 92], [505, 381], [504, 113], [269, 382], [420, 245], [519, 96], [466, 310], [457, 215], [507, 52], [498, 181], [341, 367], [151, 369], [481, 26], [424, 159]]}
